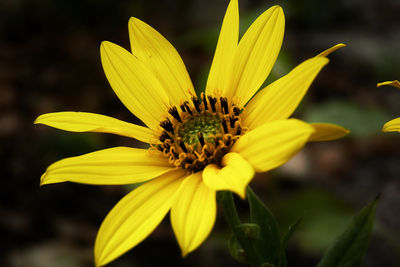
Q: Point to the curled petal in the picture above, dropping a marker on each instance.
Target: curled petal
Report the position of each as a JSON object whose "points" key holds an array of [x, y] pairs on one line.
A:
{"points": [[234, 176], [330, 50], [394, 83]]}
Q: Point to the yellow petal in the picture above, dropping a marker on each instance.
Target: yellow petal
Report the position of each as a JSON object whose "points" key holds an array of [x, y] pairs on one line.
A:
{"points": [[392, 126], [225, 51], [279, 99], [256, 54], [394, 83], [234, 176], [134, 84], [193, 213], [330, 50], [136, 216], [118, 165], [272, 144], [162, 59], [327, 132], [91, 122]]}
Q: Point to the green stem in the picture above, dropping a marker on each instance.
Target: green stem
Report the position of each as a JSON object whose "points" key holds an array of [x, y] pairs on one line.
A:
{"points": [[231, 216]]}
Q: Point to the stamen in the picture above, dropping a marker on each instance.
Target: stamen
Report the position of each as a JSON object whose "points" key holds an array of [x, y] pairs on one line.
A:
{"points": [[203, 96], [167, 146], [216, 143], [167, 125], [224, 105], [174, 112], [183, 108], [188, 160], [166, 149], [201, 138], [218, 155], [228, 139], [225, 126], [188, 107], [236, 111], [196, 103], [238, 130], [206, 151], [232, 121], [212, 101], [164, 136], [182, 145]]}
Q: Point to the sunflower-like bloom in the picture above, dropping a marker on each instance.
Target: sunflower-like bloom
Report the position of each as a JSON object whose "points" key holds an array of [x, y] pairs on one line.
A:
{"points": [[393, 125], [198, 144]]}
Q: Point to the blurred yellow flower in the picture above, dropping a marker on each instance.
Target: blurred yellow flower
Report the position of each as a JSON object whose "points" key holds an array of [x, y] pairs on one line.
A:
{"points": [[393, 125], [198, 144]]}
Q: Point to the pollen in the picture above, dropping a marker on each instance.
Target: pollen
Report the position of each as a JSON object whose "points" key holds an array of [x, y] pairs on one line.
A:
{"points": [[200, 132]]}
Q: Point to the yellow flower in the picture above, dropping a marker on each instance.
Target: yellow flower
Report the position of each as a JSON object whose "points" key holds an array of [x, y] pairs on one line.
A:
{"points": [[198, 144], [393, 125]]}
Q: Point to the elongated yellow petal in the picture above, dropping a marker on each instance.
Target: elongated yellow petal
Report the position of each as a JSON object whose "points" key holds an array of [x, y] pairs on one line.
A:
{"points": [[327, 132], [331, 50], [279, 99], [118, 165], [162, 59], [394, 83], [225, 51], [256, 55], [272, 144], [193, 213], [134, 84], [234, 176], [392, 126], [136, 216], [91, 122]]}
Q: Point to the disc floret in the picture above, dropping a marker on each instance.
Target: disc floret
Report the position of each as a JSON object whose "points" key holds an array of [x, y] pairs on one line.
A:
{"points": [[200, 132]]}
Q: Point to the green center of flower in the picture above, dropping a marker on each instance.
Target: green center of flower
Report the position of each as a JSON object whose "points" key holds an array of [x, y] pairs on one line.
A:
{"points": [[200, 133], [206, 124]]}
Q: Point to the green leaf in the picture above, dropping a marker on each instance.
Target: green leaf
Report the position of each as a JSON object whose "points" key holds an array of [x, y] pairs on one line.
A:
{"points": [[269, 244], [360, 120], [285, 239], [290, 232], [350, 246], [324, 218], [251, 230], [236, 251]]}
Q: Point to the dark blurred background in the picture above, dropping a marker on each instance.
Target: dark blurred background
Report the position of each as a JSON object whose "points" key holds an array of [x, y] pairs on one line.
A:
{"points": [[49, 61]]}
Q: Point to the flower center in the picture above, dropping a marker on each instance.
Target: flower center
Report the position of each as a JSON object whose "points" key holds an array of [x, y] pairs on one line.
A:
{"points": [[200, 133], [206, 124]]}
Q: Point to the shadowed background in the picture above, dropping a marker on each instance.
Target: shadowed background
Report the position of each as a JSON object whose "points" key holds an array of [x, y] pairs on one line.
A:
{"points": [[49, 61]]}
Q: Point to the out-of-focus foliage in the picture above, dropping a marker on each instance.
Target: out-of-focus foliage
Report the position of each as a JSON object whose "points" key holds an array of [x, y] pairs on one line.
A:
{"points": [[349, 247], [360, 120]]}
